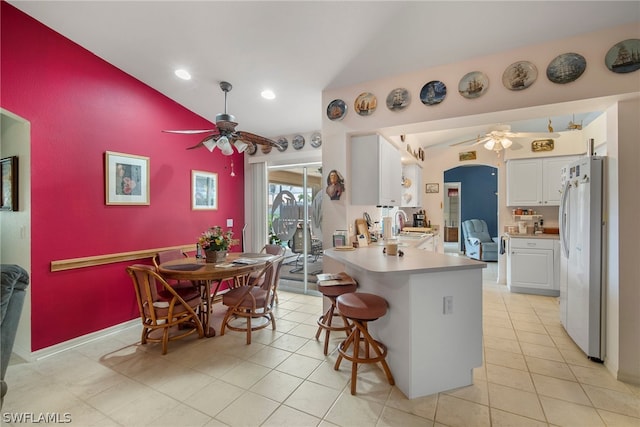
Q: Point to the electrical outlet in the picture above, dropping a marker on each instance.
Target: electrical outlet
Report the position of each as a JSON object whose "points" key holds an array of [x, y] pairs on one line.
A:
{"points": [[447, 305], [230, 222]]}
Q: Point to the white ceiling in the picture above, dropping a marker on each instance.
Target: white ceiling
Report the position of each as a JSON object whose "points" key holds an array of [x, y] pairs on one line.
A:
{"points": [[298, 48]]}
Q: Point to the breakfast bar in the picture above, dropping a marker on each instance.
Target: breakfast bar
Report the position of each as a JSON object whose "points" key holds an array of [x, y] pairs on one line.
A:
{"points": [[433, 329]]}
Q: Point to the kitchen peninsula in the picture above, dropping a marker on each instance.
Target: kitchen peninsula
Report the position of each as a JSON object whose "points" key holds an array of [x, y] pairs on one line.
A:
{"points": [[433, 329]]}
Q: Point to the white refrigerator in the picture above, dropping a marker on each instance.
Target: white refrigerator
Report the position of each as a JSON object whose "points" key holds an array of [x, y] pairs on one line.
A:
{"points": [[581, 240]]}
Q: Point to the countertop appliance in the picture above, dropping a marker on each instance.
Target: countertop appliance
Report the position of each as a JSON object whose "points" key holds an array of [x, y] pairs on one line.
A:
{"points": [[581, 231], [419, 219]]}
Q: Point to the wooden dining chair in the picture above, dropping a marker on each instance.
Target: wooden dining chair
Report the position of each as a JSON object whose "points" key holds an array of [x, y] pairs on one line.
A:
{"points": [[253, 301], [170, 255], [271, 250], [167, 313]]}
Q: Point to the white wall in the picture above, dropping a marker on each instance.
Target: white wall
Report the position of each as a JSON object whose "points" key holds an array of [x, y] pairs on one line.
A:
{"points": [[623, 292], [15, 227], [597, 85]]}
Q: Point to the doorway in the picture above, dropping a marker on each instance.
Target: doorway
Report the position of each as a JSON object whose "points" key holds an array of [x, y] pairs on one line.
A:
{"points": [[294, 205], [15, 226], [451, 208], [477, 197]]}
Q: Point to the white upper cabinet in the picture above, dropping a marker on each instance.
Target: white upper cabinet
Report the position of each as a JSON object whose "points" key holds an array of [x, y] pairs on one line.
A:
{"points": [[411, 184], [535, 182], [376, 172]]}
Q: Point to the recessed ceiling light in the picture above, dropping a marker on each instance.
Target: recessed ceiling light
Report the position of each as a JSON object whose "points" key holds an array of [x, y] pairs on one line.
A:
{"points": [[268, 94], [183, 74]]}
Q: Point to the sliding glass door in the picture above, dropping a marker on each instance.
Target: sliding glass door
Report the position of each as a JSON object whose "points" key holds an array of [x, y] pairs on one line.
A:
{"points": [[295, 221]]}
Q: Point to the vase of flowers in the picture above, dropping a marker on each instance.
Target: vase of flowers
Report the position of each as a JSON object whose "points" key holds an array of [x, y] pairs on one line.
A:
{"points": [[215, 242]]}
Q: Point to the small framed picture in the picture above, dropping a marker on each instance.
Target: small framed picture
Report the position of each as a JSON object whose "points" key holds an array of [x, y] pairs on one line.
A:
{"points": [[542, 145], [126, 179], [9, 184], [204, 190], [467, 155], [432, 188]]}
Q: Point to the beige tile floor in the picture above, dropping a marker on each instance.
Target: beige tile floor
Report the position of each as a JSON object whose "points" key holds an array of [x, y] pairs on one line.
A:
{"points": [[533, 375]]}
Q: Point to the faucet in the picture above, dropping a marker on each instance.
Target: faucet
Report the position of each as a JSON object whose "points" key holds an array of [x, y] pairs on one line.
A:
{"points": [[396, 224]]}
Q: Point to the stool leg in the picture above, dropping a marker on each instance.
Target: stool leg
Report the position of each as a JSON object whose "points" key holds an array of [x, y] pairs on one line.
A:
{"points": [[344, 345], [374, 344], [354, 364]]}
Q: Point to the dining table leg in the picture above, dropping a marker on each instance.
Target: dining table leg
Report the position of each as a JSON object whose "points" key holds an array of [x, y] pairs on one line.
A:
{"points": [[205, 310]]}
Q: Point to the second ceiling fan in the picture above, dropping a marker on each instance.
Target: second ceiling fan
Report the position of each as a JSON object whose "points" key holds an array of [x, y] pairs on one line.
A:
{"points": [[224, 135], [500, 137]]}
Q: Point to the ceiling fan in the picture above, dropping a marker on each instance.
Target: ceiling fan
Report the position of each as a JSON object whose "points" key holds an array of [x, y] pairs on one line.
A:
{"points": [[500, 137], [224, 135]]}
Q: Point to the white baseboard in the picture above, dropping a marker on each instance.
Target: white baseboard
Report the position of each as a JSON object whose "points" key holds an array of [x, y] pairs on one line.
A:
{"points": [[84, 339]]}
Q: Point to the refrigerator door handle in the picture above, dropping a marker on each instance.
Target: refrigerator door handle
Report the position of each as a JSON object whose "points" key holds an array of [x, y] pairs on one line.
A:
{"points": [[564, 231]]}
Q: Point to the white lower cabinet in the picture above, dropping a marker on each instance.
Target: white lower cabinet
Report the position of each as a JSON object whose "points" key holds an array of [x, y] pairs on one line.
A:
{"points": [[531, 266]]}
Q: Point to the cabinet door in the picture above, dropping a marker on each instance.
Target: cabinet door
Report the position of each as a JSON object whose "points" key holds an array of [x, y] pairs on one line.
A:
{"points": [[551, 186], [390, 174], [524, 182], [376, 172], [531, 268]]}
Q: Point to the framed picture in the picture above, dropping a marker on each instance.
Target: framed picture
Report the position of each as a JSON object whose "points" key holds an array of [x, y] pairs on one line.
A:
{"points": [[467, 155], [9, 185], [432, 188], [204, 190], [126, 179], [542, 145]]}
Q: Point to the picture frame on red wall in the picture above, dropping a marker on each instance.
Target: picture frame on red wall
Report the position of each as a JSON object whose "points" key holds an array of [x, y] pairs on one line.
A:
{"points": [[126, 179], [9, 184], [204, 190]]}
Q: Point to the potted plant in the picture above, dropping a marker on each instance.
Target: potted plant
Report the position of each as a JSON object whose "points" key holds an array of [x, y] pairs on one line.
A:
{"points": [[215, 243]]}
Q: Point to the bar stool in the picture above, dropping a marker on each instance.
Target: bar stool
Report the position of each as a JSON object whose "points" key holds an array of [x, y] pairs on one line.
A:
{"points": [[361, 308], [332, 291]]}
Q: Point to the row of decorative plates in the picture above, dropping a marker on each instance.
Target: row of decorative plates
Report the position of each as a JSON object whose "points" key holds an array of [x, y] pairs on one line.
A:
{"points": [[623, 57], [297, 143]]}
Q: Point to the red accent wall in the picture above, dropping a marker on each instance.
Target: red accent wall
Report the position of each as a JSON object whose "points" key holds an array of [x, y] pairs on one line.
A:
{"points": [[80, 106]]}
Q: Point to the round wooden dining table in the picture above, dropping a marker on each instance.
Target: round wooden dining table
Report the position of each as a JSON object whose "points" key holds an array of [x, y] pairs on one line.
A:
{"points": [[235, 270]]}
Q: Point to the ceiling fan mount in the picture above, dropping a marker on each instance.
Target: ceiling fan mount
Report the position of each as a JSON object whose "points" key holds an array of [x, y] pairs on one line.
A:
{"points": [[224, 134]]}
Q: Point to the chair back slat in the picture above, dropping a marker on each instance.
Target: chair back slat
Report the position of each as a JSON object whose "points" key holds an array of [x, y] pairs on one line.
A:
{"points": [[170, 255]]}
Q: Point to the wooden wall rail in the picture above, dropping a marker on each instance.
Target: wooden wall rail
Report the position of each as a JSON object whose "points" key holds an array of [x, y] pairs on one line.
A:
{"points": [[90, 261]]}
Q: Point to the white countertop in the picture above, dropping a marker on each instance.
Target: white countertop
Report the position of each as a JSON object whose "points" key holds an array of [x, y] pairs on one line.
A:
{"points": [[414, 261]]}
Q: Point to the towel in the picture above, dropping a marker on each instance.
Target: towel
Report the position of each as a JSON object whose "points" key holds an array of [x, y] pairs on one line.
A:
{"points": [[503, 244]]}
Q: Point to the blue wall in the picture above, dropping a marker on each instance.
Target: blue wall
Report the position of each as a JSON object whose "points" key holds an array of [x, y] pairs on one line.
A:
{"points": [[479, 190]]}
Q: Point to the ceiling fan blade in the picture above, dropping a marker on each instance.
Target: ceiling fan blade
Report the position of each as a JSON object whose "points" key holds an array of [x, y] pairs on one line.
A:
{"points": [[533, 135], [256, 139], [208, 142], [466, 141], [189, 132], [483, 140]]}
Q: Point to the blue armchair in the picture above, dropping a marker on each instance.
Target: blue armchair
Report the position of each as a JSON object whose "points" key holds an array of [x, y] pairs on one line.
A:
{"points": [[478, 243]]}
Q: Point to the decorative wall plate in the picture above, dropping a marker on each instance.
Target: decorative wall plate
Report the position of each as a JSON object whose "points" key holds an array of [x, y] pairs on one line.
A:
{"points": [[566, 68], [297, 142], [366, 103], [316, 140], [284, 143], [251, 149], [337, 109], [473, 85], [624, 56], [519, 75], [398, 99], [433, 92]]}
